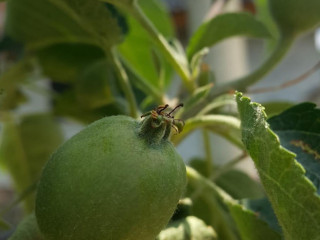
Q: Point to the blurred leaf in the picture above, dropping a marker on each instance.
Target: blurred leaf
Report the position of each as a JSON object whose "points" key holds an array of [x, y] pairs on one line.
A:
{"points": [[235, 182], [230, 133], [12, 153], [206, 75], [292, 195], [10, 95], [218, 102], [67, 104], [188, 228], [274, 108], [226, 126], [263, 14], [295, 17], [183, 209], [40, 23], [137, 49], [27, 230], [40, 136], [96, 86], [299, 131], [4, 225], [63, 62], [198, 95], [239, 185], [210, 209], [263, 210], [7, 44], [25, 147], [224, 26], [250, 226]]}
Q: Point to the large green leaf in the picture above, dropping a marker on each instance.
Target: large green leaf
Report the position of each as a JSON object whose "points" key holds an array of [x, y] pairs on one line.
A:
{"points": [[138, 49], [292, 195], [224, 26], [295, 16], [299, 131], [39, 23], [25, 147]]}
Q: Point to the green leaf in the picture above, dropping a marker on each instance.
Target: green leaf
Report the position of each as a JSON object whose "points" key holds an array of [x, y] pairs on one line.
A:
{"points": [[25, 148], [138, 48], [250, 226], [64, 62], [27, 230], [188, 228], [295, 17], [224, 26], [292, 195], [299, 131], [40, 23]]}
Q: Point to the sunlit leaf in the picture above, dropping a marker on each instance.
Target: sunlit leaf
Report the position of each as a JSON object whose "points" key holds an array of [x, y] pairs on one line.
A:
{"points": [[224, 26], [137, 49]]}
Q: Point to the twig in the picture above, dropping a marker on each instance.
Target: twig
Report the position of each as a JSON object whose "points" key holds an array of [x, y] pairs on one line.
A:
{"points": [[290, 83]]}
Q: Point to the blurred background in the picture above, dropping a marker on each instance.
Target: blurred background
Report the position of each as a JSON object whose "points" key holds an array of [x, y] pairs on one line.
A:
{"points": [[230, 59]]}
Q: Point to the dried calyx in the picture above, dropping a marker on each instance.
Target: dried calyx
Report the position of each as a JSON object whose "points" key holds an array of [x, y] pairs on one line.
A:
{"points": [[157, 124]]}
